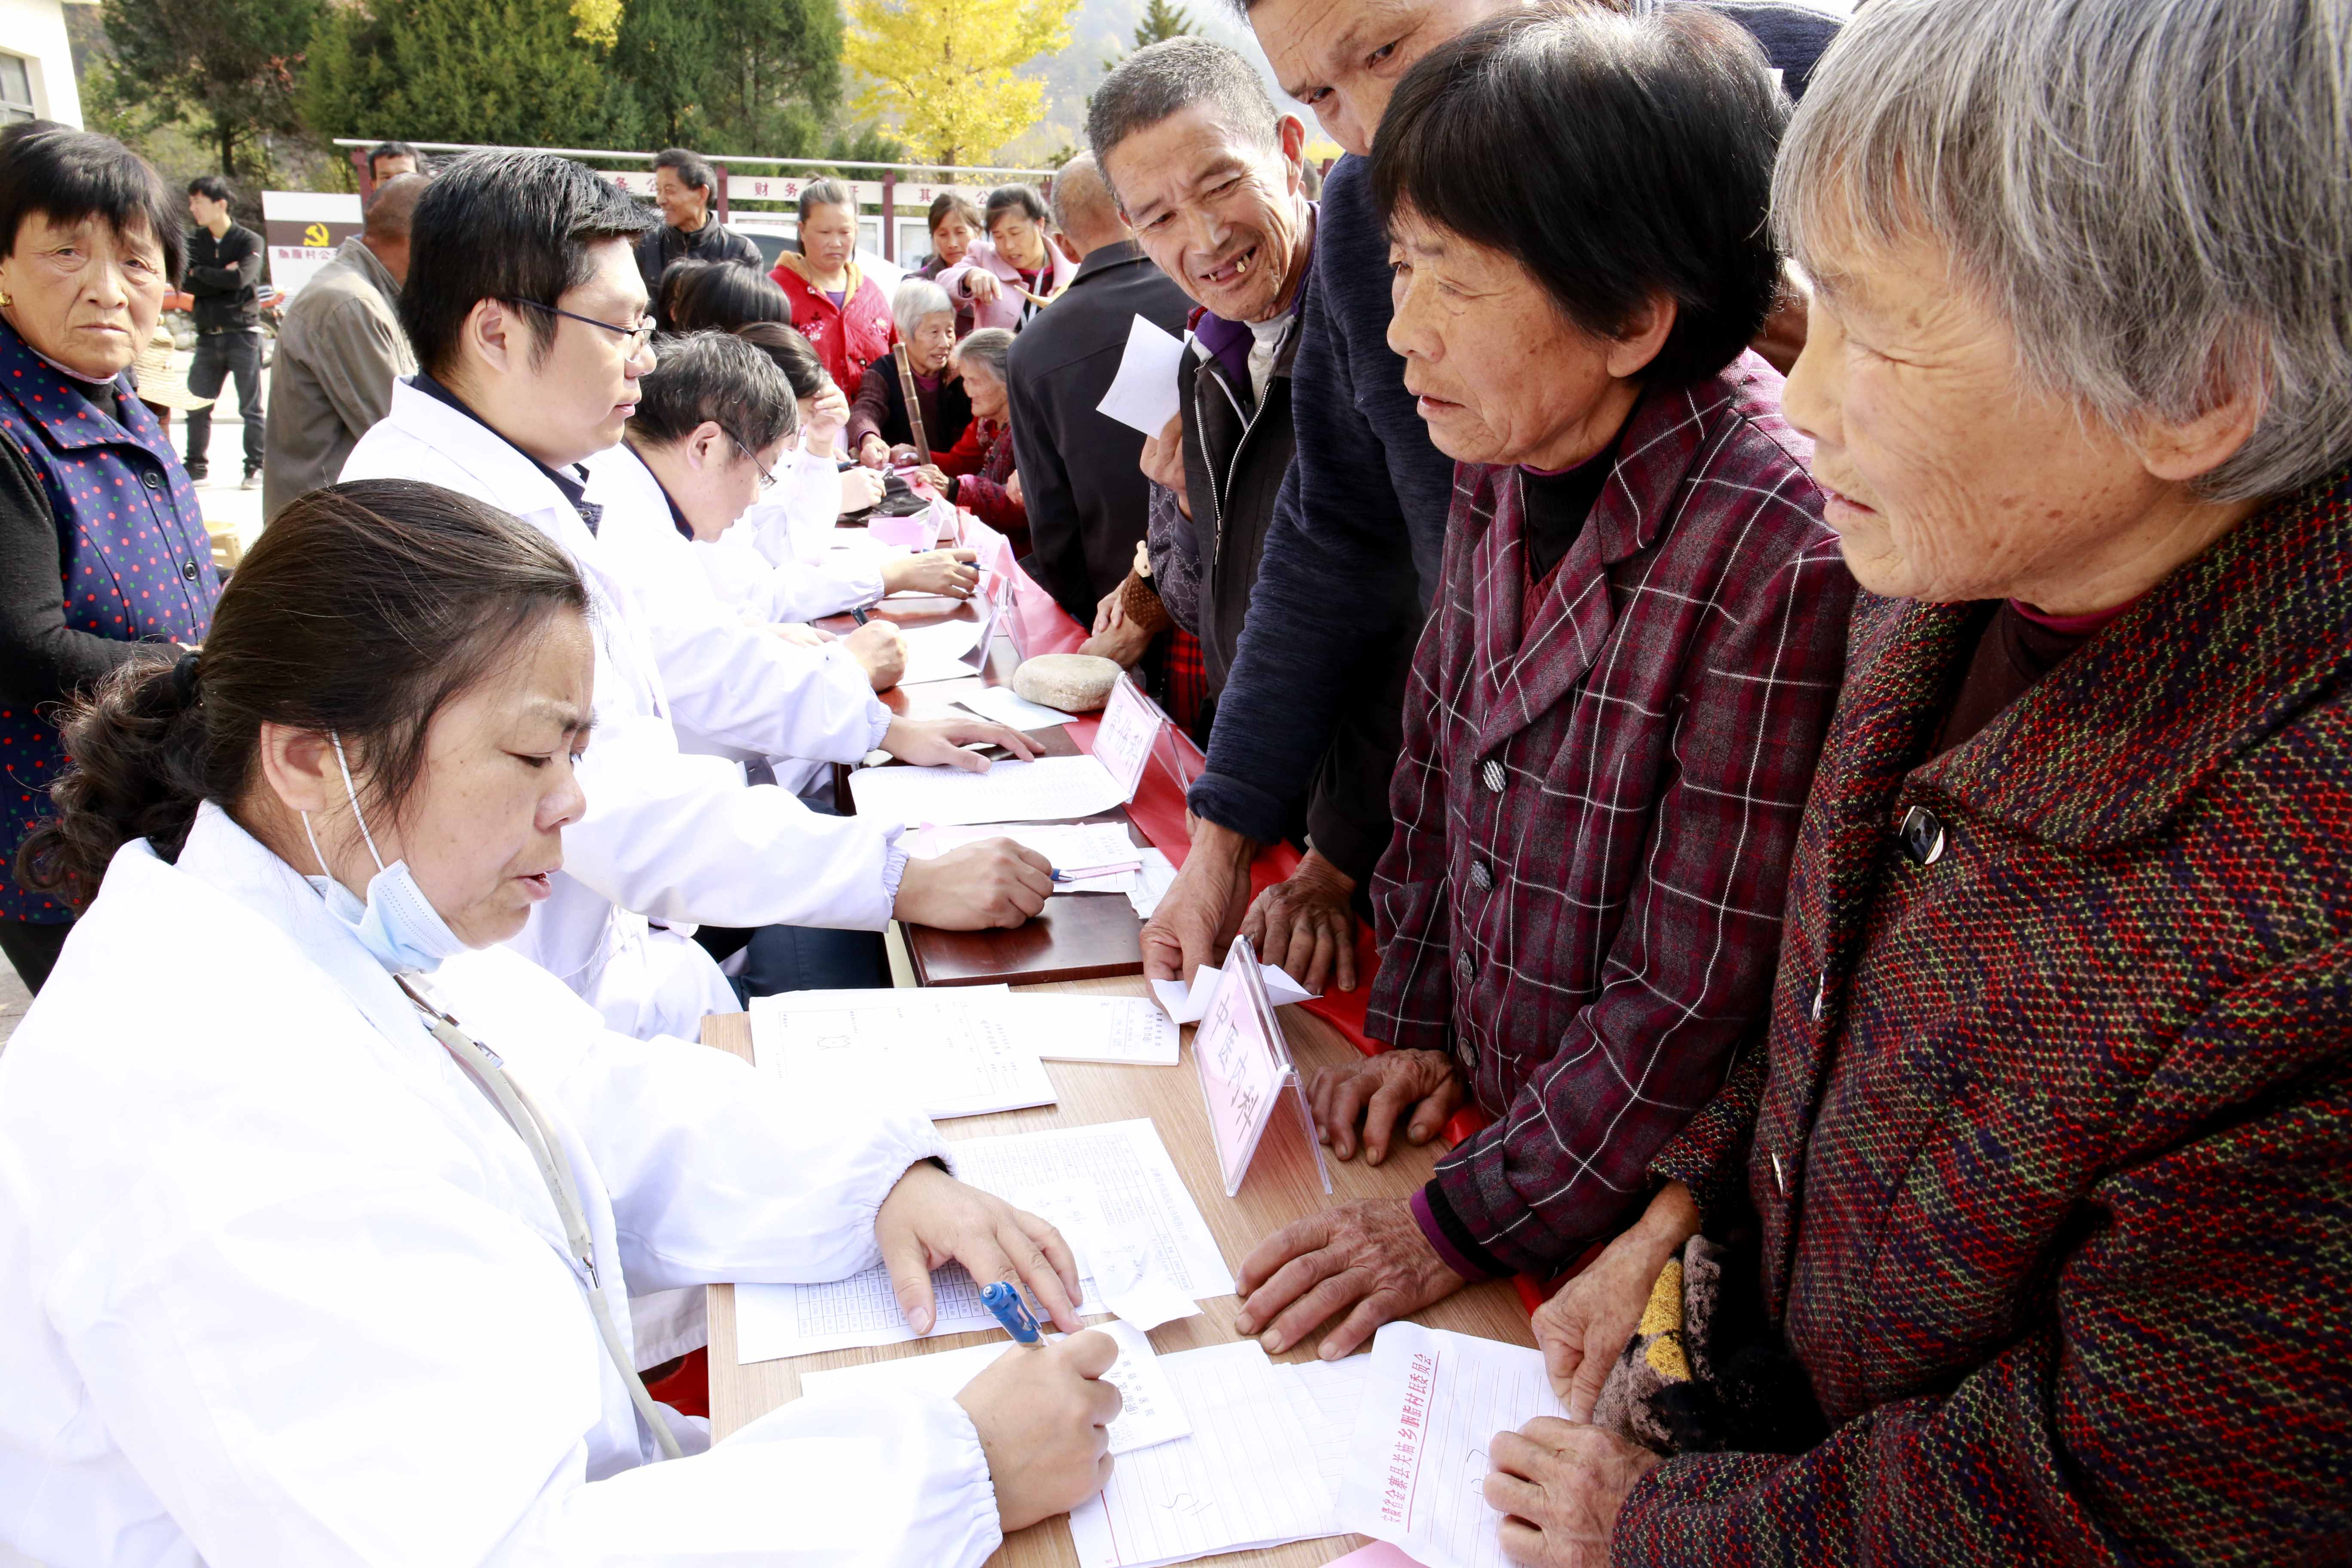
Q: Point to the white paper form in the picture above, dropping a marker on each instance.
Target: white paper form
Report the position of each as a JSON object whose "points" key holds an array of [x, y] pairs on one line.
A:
{"points": [[1417, 1465], [1127, 1030], [1092, 855], [1151, 1414], [1007, 705], [1049, 789], [937, 652], [959, 1056], [1156, 875], [1329, 1395], [1142, 395], [1246, 1477], [1123, 1163]]}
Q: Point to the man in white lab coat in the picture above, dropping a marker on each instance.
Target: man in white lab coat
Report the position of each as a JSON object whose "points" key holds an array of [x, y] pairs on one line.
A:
{"points": [[529, 320]]}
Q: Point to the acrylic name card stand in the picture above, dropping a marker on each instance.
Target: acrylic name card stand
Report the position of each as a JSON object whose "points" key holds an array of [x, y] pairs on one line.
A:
{"points": [[1247, 1073]]}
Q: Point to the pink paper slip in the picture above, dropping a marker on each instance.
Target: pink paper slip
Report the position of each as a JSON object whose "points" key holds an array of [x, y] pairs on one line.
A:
{"points": [[1378, 1555]]}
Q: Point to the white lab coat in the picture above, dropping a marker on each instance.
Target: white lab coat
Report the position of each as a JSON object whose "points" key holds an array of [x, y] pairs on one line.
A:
{"points": [[780, 560], [279, 1284], [668, 835]]}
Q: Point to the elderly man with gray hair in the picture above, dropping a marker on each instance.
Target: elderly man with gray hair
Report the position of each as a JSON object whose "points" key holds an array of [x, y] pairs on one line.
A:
{"points": [[2048, 1159], [1211, 176]]}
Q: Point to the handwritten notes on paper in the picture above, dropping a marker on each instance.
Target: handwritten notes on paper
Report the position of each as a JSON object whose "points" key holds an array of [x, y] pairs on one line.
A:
{"points": [[1127, 1030], [1122, 1165], [1151, 1413], [1248, 1476], [1130, 723], [1142, 395], [960, 1056], [1417, 1464]]}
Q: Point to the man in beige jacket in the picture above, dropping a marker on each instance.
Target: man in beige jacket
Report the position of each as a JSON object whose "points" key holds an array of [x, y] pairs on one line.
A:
{"points": [[340, 349]]}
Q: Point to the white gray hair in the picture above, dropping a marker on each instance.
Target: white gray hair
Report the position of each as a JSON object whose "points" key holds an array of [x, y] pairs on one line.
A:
{"points": [[989, 346], [2155, 194], [918, 298]]}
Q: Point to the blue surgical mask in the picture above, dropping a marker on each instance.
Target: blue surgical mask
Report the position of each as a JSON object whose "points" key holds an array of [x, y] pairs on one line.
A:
{"points": [[397, 924]]}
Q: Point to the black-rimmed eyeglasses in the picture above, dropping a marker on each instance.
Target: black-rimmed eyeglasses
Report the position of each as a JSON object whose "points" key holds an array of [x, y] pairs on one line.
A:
{"points": [[632, 337], [767, 475]]}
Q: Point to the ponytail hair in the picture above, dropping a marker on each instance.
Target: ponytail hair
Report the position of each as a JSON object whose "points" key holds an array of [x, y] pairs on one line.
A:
{"points": [[364, 609]]}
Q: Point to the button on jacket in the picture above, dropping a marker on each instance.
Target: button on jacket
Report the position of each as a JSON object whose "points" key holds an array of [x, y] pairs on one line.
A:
{"points": [[1655, 730], [2063, 1238], [133, 570], [225, 276]]}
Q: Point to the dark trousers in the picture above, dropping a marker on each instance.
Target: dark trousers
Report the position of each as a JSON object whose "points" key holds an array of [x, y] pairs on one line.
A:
{"points": [[32, 949], [799, 958], [220, 355]]}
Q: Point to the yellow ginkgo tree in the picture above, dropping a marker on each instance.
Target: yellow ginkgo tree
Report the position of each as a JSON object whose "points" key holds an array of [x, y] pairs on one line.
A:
{"points": [[941, 70]]}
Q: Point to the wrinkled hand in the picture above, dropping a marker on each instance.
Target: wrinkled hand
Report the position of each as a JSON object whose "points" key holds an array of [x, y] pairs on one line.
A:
{"points": [[950, 573], [1044, 1419], [1012, 490], [930, 1219], [979, 886], [981, 286], [1558, 1487], [1125, 643], [1163, 461], [881, 650], [798, 635], [940, 742], [1109, 611], [1307, 924], [1378, 1091], [861, 487], [1370, 1255], [1582, 1330], [1202, 907], [932, 475], [873, 451]]}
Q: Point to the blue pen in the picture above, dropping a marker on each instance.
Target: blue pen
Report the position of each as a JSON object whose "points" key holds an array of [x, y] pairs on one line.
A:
{"points": [[1061, 875], [1004, 1303]]}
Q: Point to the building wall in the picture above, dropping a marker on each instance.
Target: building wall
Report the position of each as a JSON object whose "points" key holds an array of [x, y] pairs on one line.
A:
{"points": [[34, 31]]}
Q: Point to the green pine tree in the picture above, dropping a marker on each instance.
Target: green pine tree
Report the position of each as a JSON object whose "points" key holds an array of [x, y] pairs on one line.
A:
{"points": [[1160, 20], [732, 76], [509, 72], [227, 66]]}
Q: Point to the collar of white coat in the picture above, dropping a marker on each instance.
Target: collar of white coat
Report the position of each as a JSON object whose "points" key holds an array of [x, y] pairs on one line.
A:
{"points": [[225, 858], [508, 480]]}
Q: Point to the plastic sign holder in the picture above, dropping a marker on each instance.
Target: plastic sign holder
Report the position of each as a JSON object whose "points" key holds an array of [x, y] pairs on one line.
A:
{"points": [[1247, 1073], [1123, 740]]}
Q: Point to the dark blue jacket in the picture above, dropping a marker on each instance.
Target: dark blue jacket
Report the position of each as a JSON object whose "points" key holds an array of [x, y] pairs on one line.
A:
{"points": [[1361, 517], [133, 565]]}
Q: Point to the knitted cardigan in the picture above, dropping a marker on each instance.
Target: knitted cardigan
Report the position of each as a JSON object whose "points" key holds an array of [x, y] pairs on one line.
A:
{"points": [[2052, 1141]]}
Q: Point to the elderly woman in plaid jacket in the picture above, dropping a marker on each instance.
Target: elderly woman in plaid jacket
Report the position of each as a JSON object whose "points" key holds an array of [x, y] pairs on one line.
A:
{"points": [[1614, 711], [2049, 1158]]}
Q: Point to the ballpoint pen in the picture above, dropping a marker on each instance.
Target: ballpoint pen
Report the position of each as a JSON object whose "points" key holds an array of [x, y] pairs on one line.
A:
{"points": [[857, 615], [1004, 1303]]}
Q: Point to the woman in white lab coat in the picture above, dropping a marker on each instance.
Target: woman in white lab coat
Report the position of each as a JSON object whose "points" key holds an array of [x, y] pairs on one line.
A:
{"points": [[293, 1269]]}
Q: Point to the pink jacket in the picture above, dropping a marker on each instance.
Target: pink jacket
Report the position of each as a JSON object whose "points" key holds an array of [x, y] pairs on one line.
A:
{"points": [[1005, 311]]}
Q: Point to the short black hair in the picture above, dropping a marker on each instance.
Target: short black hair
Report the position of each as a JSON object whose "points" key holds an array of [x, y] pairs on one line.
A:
{"points": [[1164, 79], [716, 376], [791, 352], [1613, 157], [392, 150], [505, 226], [691, 169], [717, 296], [69, 175], [1022, 199], [212, 187]]}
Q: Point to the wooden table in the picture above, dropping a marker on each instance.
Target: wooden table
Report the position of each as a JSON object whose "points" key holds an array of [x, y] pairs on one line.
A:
{"points": [[1281, 1187], [1080, 935]]}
